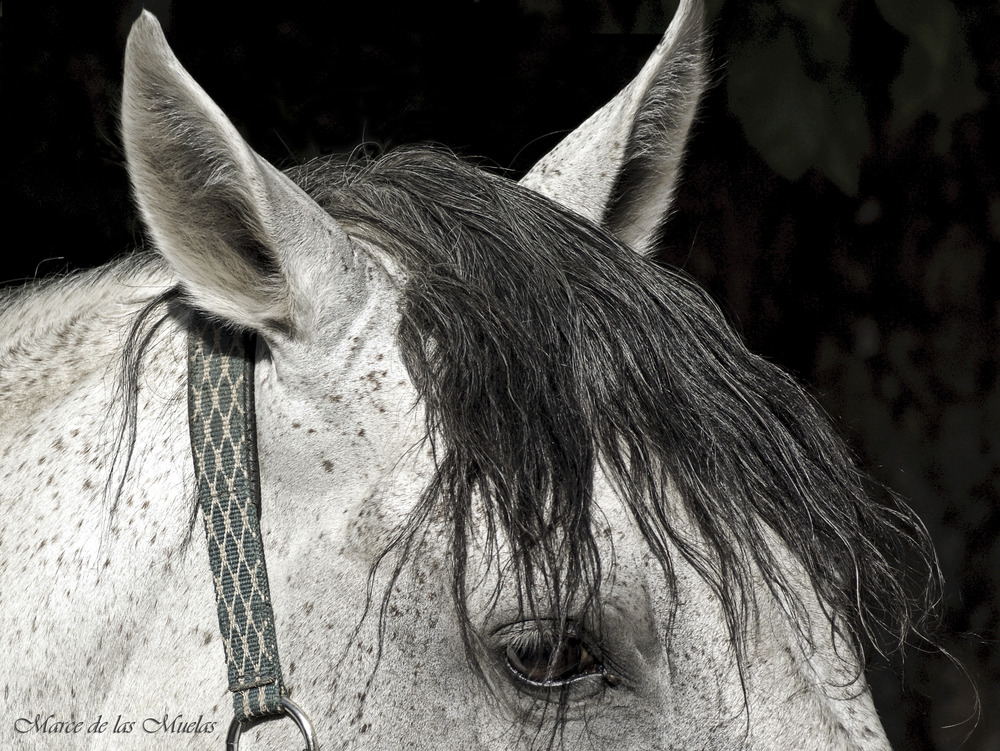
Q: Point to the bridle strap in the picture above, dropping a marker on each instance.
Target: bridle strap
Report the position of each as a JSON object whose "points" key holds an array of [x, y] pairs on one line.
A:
{"points": [[223, 442]]}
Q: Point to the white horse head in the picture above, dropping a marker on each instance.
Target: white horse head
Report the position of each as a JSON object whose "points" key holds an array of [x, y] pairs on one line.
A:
{"points": [[520, 486]]}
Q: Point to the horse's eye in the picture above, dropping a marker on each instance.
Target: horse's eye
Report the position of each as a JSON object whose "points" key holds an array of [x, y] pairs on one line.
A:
{"points": [[540, 658]]}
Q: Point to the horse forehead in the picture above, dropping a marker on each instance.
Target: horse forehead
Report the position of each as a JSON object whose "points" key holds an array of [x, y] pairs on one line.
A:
{"points": [[341, 426]]}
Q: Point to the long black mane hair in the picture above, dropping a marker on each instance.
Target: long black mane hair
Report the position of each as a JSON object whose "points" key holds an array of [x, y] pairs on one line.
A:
{"points": [[542, 348]]}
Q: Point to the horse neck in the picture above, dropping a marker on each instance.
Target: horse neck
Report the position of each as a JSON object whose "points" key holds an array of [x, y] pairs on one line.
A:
{"points": [[61, 383], [58, 334]]}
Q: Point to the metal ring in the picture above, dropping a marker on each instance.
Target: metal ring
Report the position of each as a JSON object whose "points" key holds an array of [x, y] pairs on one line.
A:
{"points": [[292, 710]]}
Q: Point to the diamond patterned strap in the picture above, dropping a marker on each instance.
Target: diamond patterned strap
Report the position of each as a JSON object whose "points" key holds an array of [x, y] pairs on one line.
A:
{"points": [[223, 442]]}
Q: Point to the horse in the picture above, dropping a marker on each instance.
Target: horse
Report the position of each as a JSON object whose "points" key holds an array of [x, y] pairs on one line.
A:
{"points": [[519, 485]]}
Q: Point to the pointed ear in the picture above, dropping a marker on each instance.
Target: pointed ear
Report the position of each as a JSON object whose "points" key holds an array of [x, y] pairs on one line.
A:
{"points": [[240, 235], [619, 168]]}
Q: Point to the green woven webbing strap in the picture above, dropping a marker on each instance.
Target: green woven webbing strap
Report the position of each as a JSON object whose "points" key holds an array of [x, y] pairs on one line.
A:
{"points": [[223, 442]]}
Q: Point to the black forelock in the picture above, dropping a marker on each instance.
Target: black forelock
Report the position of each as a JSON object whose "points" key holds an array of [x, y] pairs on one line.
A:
{"points": [[542, 348]]}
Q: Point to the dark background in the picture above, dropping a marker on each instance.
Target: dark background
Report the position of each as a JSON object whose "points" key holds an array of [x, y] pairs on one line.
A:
{"points": [[840, 201]]}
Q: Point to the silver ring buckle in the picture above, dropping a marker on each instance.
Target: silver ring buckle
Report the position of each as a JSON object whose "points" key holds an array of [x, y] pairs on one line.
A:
{"points": [[292, 710]]}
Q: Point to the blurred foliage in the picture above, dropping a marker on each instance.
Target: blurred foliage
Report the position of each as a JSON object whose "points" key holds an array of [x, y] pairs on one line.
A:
{"points": [[937, 74], [794, 82], [797, 121], [792, 89]]}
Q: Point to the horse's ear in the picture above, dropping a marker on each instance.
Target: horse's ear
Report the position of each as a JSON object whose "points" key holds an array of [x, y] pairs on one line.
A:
{"points": [[226, 220], [619, 168]]}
